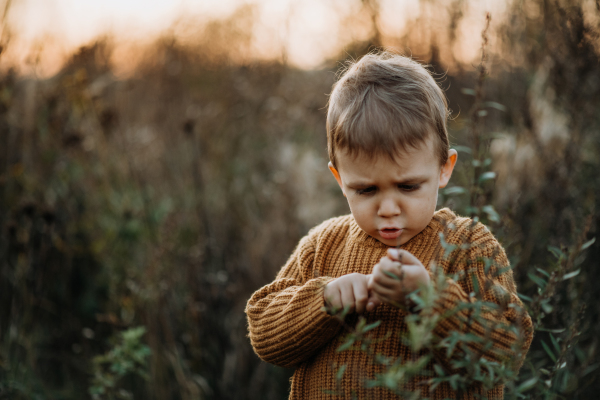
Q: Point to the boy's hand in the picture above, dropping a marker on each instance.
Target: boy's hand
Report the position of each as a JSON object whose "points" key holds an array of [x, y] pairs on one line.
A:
{"points": [[350, 291], [397, 275]]}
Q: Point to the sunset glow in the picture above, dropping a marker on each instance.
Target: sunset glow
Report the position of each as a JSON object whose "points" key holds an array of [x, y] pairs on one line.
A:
{"points": [[306, 32]]}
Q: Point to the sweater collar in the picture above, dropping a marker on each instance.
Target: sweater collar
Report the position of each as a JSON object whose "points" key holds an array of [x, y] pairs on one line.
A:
{"points": [[440, 219]]}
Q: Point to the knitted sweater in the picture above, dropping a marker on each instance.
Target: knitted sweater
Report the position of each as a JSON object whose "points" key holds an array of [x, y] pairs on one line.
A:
{"points": [[289, 327]]}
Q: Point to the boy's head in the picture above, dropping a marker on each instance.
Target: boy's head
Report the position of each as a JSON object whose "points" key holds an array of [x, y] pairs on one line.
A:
{"points": [[385, 103], [388, 145]]}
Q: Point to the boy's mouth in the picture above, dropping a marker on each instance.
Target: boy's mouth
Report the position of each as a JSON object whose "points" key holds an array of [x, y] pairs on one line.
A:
{"points": [[390, 233]]}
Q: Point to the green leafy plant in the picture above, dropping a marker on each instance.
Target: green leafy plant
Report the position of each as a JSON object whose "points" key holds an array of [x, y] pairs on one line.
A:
{"points": [[128, 356], [166, 196]]}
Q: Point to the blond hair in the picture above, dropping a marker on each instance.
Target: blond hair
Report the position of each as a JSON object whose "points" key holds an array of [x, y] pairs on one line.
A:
{"points": [[385, 103]]}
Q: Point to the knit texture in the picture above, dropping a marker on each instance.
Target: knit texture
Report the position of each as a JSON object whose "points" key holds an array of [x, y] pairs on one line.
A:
{"points": [[288, 326]]}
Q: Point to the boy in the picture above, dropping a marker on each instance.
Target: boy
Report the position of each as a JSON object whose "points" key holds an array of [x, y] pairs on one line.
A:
{"points": [[389, 152]]}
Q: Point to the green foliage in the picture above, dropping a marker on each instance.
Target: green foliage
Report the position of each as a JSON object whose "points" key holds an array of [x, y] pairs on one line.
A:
{"points": [[164, 199], [468, 367], [128, 356], [465, 368]]}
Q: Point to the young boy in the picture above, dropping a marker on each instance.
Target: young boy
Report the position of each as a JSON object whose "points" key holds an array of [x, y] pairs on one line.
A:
{"points": [[389, 152]]}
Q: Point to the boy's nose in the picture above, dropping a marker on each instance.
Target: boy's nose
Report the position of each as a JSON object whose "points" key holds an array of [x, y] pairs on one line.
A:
{"points": [[388, 208]]}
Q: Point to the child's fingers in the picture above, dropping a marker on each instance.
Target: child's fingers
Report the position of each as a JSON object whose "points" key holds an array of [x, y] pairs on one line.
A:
{"points": [[373, 302], [384, 293], [347, 297], [402, 256], [361, 295], [387, 273], [393, 302], [333, 299]]}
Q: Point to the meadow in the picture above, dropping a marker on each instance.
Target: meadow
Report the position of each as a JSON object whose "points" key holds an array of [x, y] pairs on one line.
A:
{"points": [[139, 214]]}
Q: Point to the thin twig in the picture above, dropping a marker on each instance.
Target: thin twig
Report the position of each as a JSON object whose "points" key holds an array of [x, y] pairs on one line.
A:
{"points": [[3, 21], [476, 118]]}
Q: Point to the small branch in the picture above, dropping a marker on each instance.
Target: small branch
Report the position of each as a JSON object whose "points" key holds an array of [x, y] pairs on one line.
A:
{"points": [[476, 117]]}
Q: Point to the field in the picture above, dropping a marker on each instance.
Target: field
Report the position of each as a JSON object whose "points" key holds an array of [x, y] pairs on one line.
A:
{"points": [[139, 214]]}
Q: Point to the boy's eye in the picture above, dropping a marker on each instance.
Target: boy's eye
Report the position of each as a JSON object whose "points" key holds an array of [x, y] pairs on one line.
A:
{"points": [[367, 190], [409, 188]]}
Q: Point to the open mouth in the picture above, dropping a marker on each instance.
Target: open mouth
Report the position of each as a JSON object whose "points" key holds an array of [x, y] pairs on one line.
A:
{"points": [[390, 233]]}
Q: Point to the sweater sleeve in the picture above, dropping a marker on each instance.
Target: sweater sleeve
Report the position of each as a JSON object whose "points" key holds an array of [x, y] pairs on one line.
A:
{"points": [[286, 320], [483, 302]]}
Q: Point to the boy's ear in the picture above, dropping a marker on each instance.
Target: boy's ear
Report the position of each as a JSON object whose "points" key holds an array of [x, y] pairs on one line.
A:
{"points": [[446, 171], [336, 175]]}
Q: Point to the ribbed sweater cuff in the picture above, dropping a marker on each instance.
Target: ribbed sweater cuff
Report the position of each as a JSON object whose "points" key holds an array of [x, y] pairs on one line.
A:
{"points": [[291, 332]]}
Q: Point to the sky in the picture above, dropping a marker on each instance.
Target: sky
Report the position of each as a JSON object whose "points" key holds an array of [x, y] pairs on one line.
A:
{"points": [[310, 30]]}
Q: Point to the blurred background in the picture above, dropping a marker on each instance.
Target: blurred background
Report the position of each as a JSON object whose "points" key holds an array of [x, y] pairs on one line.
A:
{"points": [[160, 160]]}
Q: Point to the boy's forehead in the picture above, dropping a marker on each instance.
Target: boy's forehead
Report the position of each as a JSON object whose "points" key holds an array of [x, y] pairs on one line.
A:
{"points": [[420, 165], [398, 155]]}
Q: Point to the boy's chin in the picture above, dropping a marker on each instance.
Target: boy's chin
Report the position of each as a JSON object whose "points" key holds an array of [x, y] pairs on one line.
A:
{"points": [[399, 241]]}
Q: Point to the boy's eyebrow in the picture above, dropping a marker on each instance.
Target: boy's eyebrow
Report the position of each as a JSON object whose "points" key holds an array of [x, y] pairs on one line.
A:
{"points": [[408, 179]]}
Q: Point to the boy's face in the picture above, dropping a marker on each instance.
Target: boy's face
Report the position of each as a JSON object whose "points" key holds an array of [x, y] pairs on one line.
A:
{"points": [[393, 200]]}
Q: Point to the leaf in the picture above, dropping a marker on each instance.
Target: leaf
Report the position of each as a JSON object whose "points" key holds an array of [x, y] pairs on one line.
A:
{"points": [[565, 379], [488, 263], [453, 342], [448, 248], [475, 283], [454, 190], [550, 353], [551, 330], [525, 298], [528, 384], [486, 176], [543, 272], [374, 325], [346, 345], [546, 306], [493, 104], [463, 149], [468, 92], [454, 382], [436, 383], [491, 213], [555, 343], [590, 369], [420, 303], [439, 370], [579, 259], [490, 372], [472, 210], [482, 113], [537, 280], [558, 253], [571, 274], [340, 372], [362, 321], [588, 243], [391, 275]]}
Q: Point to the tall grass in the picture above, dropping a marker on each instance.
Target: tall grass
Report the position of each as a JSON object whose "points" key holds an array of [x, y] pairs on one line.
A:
{"points": [[165, 199]]}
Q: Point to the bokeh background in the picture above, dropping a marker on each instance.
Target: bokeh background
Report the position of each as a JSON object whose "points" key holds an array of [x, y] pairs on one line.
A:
{"points": [[159, 162]]}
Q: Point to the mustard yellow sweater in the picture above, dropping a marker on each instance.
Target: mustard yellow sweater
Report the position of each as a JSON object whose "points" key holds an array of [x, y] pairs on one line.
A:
{"points": [[289, 328]]}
